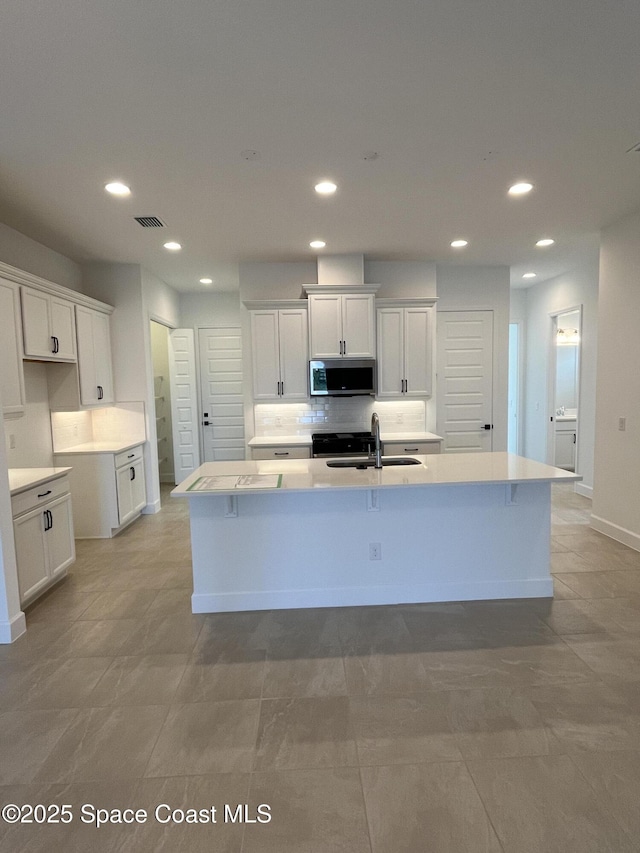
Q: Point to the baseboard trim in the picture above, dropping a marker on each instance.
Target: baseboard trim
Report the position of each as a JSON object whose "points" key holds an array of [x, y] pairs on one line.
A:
{"points": [[585, 491], [14, 628], [152, 508], [614, 531], [353, 596]]}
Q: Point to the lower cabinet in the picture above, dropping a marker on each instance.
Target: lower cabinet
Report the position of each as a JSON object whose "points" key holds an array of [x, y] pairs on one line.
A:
{"points": [[400, 448], [565, 450], [109, 490], [43, 532]]}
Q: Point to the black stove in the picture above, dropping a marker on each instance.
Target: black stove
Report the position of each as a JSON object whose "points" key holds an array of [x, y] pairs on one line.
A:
{"points": [[341, 443]]}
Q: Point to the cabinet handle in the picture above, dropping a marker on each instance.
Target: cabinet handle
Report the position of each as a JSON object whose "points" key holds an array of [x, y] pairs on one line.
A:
{"points": [[133, 473], [55, 344], [44, 494], [411, 450], [281, 453], [282, 389], [131, 455], [100, 392], [574, 438], [48, 520]]}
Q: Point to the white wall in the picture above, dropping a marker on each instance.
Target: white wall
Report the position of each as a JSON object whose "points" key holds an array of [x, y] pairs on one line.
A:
{"points": [[209, 309], [275, 281], [27, 255], [577, 287], [31, 432], [402, 279], [616, 495], [483, 289]]}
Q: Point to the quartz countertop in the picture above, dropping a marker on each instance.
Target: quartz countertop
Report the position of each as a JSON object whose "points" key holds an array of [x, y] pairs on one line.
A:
{"points": [[21, 479], [115, 446], [305, 475]]}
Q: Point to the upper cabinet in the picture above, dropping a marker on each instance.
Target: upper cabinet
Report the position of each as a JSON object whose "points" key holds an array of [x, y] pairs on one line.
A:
{"points": [[11, 372], [341, 323], [405, 348], [94, 357], [48, 326], [279, 347]]}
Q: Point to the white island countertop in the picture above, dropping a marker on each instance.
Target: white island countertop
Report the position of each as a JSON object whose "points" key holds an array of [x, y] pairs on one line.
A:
{"points": [[21, 479], [305, 440], [305, 475]]}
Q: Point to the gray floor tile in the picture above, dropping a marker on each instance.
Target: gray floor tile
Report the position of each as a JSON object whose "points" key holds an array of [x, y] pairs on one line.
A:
{"points": [[104, 744], [206, 737], [301, 676], [615, 780], [403, 729], [313, 811], [613, 657], [434, 807], [139, 680], [225, 677], [305, 732], [119, 604], [544, 803], [27, 738]]}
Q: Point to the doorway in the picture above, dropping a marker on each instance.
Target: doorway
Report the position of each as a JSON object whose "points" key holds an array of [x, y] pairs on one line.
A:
{"points": [[221, 393], [513, 415], [162, 399], [564, 385]]}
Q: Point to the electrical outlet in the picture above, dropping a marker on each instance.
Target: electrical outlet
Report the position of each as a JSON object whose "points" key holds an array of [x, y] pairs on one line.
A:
{"points": [[12, 441], [375, 551], [622, 424], [399, 417], [278, 421]]}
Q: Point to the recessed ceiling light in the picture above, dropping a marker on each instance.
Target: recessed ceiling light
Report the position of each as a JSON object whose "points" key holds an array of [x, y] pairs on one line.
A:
{"points": [[172, 246], [117, 188], [206, 281], [317, 244], [521, 188], [459, 244], [529, 275], [546, 241], [326, 187]]}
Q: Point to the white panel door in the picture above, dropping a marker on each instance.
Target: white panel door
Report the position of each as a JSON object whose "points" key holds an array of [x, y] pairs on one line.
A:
{"points": [[465, 380], [221, 393], [184, 402]]}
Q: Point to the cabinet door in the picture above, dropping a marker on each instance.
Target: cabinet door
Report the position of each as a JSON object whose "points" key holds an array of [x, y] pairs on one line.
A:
{"points": [[265, 355], [36, 325], [63, 328], [325, 325], [86, 357], [11, 370], [358, 325], [390, 352], [138, 490], [31, 555], [418, 345], [564, 453], [294, 353], [102, 353], [124, 477], [60, 544]]}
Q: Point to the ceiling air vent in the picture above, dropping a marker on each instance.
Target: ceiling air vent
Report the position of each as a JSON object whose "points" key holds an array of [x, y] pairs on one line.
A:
{"points": [[149, 221]]}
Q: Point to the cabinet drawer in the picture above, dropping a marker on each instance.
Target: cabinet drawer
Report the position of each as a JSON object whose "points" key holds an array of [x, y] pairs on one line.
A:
{"points": [[397, 448], [280, 453], [128, 456], [42, 494]]}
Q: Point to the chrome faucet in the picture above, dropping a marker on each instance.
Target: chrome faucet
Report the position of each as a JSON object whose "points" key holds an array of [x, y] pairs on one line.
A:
{"points": [[375, 435]]}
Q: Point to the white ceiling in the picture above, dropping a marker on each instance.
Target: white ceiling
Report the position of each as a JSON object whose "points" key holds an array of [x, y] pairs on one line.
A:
{"points": [[459, 98]]}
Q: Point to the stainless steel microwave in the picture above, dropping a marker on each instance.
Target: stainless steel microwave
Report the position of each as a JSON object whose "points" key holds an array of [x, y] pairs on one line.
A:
{"points": [[342, 377]]}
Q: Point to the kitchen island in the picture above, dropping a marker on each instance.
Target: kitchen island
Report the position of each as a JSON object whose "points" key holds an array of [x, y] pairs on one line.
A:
{"points": [[298, 533]]}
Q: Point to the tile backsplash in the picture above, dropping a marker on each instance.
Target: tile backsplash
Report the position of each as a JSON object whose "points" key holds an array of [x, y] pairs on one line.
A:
{"points": [[338, 414], [126, 421]]}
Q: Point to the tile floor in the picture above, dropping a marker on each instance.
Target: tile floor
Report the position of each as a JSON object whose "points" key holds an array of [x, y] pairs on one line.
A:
{"points": [[495, 726]]}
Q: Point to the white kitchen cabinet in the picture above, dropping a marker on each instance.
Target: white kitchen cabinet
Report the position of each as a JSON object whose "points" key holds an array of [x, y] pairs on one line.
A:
{"points": [[565, 449], [48, 326], [405, 350], [109, 490], [43, 532], [94, 357], [280, 352], [342, 325], [281, 451], [11, 369]]}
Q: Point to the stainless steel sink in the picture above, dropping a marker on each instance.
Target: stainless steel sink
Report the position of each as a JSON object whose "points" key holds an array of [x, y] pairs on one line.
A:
{"points": [[364, 462]]}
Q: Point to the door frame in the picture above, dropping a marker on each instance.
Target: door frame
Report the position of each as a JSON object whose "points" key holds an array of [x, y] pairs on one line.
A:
{"points": [[551, 382]]}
